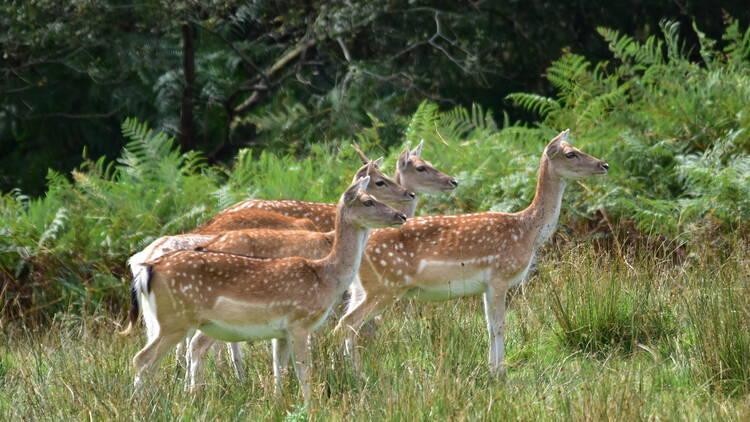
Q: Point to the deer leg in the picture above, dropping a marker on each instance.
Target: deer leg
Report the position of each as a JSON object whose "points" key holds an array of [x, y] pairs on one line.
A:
{"points": [[145, 359], [352, 322], [494, 310], [281, 354], [199, 345], [302, 362], [181, 352], [235, 355]]}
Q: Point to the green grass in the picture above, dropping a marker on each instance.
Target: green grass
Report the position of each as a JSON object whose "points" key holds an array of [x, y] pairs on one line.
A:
{"points": [[675, 349]]}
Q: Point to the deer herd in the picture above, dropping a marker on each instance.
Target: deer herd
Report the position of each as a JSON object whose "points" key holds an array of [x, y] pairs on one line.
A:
{"points": [[274, 269]]}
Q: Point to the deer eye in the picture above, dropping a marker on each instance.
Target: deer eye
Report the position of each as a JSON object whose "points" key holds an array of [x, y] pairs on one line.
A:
{"points": [[380, 183], [368, 203], [571, 155], [421, 168]]}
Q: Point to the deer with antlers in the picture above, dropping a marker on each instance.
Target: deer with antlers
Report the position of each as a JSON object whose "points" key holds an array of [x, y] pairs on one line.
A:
{"points": [[449, 256], [381, 186], [237, 298], [412, 172]]}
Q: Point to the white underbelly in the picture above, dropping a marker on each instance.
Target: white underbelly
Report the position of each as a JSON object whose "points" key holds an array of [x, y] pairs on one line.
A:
{"points": [[437, 280], [224, 331], [452, 289]]}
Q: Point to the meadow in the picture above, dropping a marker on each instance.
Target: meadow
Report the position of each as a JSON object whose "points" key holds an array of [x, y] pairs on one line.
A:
{"points": [[638, 311], [593, 336]]}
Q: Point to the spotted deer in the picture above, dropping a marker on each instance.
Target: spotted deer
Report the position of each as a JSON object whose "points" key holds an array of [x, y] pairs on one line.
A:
{"points": [[391, 193], [449, 256], [321, 215], [236, 298], [412, 172], [380, 185]]}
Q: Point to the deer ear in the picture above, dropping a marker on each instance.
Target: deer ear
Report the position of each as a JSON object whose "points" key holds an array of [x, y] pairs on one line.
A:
{"points": [[554, 147], [360, 183], [363, 182], [403, 158], [379, 162], [418, 150]]}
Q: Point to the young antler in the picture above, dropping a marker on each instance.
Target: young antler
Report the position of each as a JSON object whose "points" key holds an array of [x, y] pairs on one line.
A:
{"points": [[412, 172]]}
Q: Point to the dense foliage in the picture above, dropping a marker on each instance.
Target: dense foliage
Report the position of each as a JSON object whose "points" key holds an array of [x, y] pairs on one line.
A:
{"points": [[676, 129], [673, 130], [279, 74]]}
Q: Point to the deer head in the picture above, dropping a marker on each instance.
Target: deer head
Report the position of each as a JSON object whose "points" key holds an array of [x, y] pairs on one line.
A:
{"points": [[382, 186], [420, 175], [360, 208], [569, 162]]}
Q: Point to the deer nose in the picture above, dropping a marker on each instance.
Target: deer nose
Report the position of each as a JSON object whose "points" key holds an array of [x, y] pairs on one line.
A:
{"points": [[453, 182], [401, 216], [604, 165], [411, 194]]}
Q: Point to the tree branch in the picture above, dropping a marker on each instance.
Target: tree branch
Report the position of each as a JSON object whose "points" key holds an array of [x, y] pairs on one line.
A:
{"points": [[291, 55]]}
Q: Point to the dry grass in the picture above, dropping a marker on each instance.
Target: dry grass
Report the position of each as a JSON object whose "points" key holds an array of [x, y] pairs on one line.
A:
{"points": [[641, 341]]}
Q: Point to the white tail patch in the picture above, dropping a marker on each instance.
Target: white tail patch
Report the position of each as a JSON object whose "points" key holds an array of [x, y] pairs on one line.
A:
{"points": [[163, 246], [147, 301]]}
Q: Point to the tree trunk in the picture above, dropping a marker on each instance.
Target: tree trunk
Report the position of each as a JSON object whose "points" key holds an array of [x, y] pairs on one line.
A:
{"points": [[187, 126]]}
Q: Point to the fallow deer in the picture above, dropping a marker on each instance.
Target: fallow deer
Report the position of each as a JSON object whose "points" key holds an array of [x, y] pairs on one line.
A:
{"points": [[380, 186], [411, 169], [391, 193], [321, 215], [449, 256], [236, 298], [412, 172]]}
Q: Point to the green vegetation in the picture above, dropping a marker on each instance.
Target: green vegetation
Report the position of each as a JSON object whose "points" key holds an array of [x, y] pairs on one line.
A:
{"points": [[640, 310], [677, 129], [429, 360], [278, 74], [675, 132]]}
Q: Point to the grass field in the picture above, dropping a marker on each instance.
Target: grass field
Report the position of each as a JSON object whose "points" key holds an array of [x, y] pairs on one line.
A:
{"points": [[639, 311], [592, 336]]}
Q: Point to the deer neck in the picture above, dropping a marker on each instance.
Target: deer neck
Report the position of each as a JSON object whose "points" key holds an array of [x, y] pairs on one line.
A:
{"points": [[341, 265], [411, 208], [544, 211]]}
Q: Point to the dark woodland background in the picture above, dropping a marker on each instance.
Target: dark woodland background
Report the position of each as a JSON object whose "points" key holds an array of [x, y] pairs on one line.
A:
{"points": [[282, 75]]}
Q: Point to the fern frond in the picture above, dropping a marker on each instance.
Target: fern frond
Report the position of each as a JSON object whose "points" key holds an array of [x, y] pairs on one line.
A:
{"points": [[460, 122], [535, 103], [565, 72], [54, 228], [597, 107], [184, 220], [738, 44], [631, 52], [423, 122], [675, 46], [224, 197]]}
